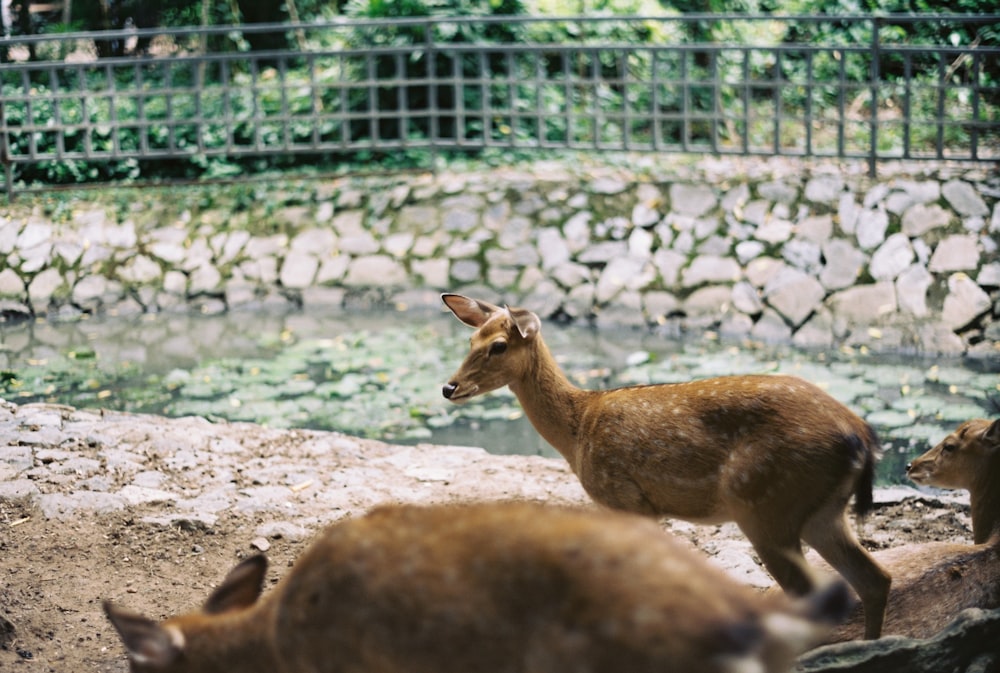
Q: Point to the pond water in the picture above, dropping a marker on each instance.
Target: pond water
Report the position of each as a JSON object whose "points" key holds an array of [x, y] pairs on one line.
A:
{"points": [[379, 375]]}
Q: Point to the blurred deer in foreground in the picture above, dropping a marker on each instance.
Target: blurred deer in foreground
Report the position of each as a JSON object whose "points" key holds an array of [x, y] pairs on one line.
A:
{"points": [[513, 587], [775, 454], [933, 582]]}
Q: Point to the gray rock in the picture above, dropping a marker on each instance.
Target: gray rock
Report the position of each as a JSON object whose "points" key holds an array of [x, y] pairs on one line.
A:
{"points": [[959, 252], [577, 231], [964, 198], [871, 228], [626, 272], [644, 215], [746, 299], [989, 275], [579, 302], [44, 286], [815, 228], [824, 189], [515, 233], [359, 243], [692, 200], [657, 305], [774, 231], [570, 274], [794, 294], [375, 271], [640, 243], [967, 645], [466, 270], [760, 271], [848, 212], [802, 254], [965, 301], [552, 248], [748, 250], [669, 263], [707, 301], [921, 218], [891, 257], [710, 269], [779, 191], [297, 271], [604, 252], [817, 332], [911, 290], [11, 284], [771, 328], [418, 219], [140, 269], [756, 212], [863, 304], [608, 185], [909, 192]]}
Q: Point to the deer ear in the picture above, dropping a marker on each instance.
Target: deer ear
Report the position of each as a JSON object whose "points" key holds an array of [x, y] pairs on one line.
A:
{"points": [[472, 312], [992, 434], [240, 589], [146, 642], [528, 324]]}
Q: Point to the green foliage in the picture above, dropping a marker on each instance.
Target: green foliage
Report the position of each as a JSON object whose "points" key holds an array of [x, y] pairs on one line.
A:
{"points": [[369, 92]]}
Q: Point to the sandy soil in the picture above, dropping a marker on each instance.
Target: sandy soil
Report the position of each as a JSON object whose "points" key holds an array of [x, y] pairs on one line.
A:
{"points": [[54, 572]]}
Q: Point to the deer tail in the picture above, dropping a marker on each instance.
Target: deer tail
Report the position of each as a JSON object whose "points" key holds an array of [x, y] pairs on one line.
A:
{"points": [[869, 449]]}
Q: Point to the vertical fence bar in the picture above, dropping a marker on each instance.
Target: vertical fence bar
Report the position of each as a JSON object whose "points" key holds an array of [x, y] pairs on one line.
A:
{"points": [[940, 111], [974, 126], [875, 71], [433, 93], [8, 169]]}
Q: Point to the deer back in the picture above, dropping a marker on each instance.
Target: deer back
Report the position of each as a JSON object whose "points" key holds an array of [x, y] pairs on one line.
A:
{"points": [[501, 587]]}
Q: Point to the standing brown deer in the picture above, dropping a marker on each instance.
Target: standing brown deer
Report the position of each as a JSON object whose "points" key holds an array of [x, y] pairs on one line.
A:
{"points": [[933, 582], [488, 588], [775, 454], [968, 458]]}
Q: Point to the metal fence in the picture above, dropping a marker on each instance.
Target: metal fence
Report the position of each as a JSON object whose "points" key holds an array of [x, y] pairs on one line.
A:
{"points": [[127, 104]]}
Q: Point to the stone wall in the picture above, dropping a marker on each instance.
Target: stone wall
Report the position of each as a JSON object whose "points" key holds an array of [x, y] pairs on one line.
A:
{"points": [[778, 251]]}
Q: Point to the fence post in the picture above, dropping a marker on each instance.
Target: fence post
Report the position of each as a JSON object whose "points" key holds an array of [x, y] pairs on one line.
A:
{"points": [[875, 76], [433, 100], [8, 168]]}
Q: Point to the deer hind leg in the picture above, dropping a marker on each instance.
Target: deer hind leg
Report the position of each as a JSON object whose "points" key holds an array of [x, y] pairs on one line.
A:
{"points": [[830, 534], [781, 553]]}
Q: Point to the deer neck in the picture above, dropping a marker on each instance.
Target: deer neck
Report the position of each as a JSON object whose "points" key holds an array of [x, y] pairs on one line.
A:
{"points": [[985, 505], [238, 642], [551, 402]]}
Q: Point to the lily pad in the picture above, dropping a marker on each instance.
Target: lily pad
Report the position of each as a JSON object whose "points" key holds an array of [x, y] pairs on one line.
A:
{"points": [[889, 418]]}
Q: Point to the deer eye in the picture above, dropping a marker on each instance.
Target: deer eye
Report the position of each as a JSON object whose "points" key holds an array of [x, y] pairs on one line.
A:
{"points": [[948, 448], [498, 347]]}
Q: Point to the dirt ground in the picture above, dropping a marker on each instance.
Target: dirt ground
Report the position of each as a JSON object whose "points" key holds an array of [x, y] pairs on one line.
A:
{"points": [[54, 574]]}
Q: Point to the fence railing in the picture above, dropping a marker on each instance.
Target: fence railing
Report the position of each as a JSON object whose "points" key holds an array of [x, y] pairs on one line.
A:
{"points": [[110, 105]]}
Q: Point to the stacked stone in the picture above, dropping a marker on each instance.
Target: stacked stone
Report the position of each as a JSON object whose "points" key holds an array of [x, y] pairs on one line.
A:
{"points": [[817, 258]]}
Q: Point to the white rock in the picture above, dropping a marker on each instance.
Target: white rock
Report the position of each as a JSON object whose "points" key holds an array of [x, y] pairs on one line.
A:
{"points": [[710, 269], [628, 273], [965, 301], [843, 264], [746, 299], [911, 290], [794, 294], [964, 198], [921, 218], [955, 253], [891, 258], [863, 304], [871, 228], [692, 200], [375, 271]]}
